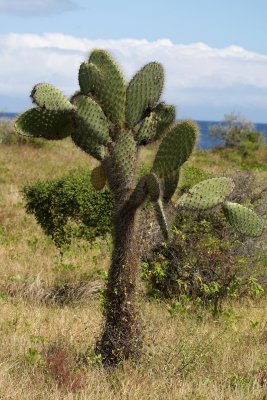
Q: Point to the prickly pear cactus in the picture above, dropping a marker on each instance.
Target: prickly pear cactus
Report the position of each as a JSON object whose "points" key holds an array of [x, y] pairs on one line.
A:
{"points": [[109, 120], [243, 219], [48, 124], [48, 97], [174, 150], [98, 178], [143, 92], [207, 194]]}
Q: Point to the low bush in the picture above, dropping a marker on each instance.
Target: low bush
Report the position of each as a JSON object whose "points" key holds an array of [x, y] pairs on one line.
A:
{"points": [[244, 146], [201, 263], [205, 261], [70, 207], [191, 175], [235, 129]]}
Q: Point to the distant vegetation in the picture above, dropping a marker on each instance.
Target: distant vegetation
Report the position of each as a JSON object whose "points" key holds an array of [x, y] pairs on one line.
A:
{"points": [[242, 142]]}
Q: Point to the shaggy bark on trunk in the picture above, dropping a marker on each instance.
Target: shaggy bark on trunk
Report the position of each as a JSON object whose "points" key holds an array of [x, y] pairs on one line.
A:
{"points": [[121, 337]]}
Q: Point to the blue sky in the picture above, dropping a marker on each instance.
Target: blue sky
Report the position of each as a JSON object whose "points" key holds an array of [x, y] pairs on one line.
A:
{"points": [[214, 52]]}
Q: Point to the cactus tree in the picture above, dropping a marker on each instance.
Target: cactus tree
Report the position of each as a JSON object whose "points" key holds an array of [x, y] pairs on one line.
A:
{"points": [[110, 119]]}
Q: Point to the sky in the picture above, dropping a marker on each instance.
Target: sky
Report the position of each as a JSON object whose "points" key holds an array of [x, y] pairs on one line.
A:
{"points": [[214, 52]]}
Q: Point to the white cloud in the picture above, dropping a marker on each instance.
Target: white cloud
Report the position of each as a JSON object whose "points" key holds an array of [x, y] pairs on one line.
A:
{"points": [[36, 7], [231, 78]]}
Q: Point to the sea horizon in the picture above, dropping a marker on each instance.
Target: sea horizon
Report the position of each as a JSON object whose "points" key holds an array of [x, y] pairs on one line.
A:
{"points": [[206, 141]]}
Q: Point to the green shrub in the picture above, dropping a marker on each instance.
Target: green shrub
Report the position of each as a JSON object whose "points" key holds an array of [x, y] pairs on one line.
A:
{"points": [[205, 261], [190, 176], [251, 142], [244, 145], [70, 207], [202, 262], [233, 130]]}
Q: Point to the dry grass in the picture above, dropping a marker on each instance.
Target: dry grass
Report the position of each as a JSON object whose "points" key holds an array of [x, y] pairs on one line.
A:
{"points": [[48, 333], [47, 352]]}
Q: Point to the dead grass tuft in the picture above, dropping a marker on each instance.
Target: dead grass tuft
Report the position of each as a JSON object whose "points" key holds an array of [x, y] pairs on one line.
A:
{"points": [[61, 366], [37, 292]]}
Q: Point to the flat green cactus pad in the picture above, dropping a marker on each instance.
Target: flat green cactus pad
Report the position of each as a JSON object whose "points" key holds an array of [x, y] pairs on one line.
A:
{"points": [[48, 97], [37, 122], [165, 117], [148, 129], [91, 119], [124, 155], [207, 194], [243, 219], [98, 178], [173, 151], [87, 144], [170, 184], [153, 186], [143, 91], [158, 207], [89, 78], [111, 88]]}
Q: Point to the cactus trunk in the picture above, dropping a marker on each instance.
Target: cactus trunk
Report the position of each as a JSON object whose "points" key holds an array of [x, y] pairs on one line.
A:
{"points": [[121, 337]]}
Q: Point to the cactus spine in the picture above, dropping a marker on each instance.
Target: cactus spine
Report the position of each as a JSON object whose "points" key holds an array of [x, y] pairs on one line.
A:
{"points": [[109, 120]]}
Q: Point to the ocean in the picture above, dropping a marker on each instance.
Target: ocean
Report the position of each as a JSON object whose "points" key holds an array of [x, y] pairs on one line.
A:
{"points": [[205, 141]]}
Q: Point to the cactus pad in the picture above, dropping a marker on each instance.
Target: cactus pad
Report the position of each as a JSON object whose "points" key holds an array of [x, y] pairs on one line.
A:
{"points": [[111, 88], [207, 194], [50, 98], [89, 78], [156, 124], [91, 119], [173, 151], [170, 184], [87, 144], [153, 186], [165, 117], [98, 178], [124, 156], [143, 91], [158, 207], [51, 125], [148, 129], [243, 219]]}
